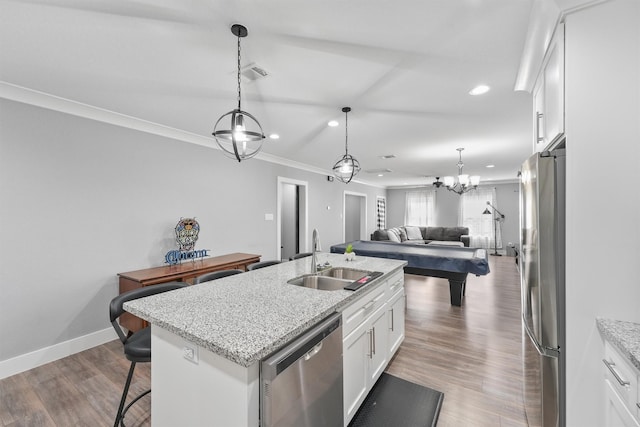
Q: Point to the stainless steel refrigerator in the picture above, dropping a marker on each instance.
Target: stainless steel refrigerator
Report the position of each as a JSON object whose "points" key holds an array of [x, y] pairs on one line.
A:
{"points": [[542, 276]]}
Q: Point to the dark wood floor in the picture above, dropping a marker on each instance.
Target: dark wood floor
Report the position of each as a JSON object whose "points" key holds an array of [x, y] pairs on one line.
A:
{"points": [[471, 353]]}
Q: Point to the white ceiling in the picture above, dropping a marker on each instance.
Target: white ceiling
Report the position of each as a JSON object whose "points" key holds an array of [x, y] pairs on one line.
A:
{"points": [[404, 67]]}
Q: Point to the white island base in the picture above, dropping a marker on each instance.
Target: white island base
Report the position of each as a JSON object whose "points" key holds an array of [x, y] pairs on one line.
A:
{"points": [[241, 319], [212, 392]]}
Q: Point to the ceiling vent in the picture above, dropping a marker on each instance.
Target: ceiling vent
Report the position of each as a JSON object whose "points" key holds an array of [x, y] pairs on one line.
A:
{"points": [[388, 156], [253, 72], [378, 171]]}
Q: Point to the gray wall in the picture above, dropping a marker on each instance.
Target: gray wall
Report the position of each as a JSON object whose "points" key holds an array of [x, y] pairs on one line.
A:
{"points": [[447, 209], [83, 200]]}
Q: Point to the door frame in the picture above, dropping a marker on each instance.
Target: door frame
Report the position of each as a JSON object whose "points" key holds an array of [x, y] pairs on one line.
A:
{"points": [[304, 214], [363, 229]]}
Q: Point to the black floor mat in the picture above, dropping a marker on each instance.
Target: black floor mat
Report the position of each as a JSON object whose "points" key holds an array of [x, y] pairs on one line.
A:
{"points": [[399, 403]]}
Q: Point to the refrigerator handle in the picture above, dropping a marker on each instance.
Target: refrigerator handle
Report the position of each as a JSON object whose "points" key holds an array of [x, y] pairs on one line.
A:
{"points": [[542, 350]]}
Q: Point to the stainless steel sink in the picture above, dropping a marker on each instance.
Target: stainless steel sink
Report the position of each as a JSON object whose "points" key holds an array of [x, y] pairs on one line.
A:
{"points": [[332, 279], [349, 274]]}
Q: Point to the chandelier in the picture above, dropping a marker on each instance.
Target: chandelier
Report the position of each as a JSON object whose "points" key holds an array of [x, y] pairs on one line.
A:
{"points": [[464, 183], [347, 167], [243, 138]]}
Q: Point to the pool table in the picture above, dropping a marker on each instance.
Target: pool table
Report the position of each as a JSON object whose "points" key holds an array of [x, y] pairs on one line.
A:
{"points": [[447, 262]]}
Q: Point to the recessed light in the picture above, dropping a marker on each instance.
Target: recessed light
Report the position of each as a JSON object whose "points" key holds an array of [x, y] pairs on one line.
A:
{"points": [[333, 123], [479, 90], [491, 166], [274, 136], [388, 156], [380, 174]]}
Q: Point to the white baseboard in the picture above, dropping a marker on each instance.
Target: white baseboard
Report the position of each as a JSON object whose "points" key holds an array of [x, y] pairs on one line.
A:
{"points": [[36, 358]]}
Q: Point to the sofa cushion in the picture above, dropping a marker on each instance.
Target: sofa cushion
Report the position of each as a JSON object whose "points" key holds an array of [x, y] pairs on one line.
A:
{"points": [[415, 242], [454, 233], [393, 234], [403, 234], [434, 233], [413, 233], [380, 235]]}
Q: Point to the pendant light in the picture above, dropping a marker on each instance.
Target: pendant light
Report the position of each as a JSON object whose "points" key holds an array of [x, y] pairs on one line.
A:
{"points": [[465, 182], [243, 138], [347, 167]]}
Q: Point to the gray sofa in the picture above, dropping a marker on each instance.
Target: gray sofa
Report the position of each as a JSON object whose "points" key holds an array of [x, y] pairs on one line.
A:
{"points": [[423, 235]]}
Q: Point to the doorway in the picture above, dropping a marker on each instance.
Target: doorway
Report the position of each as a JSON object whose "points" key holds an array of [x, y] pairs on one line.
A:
{"points": [[354, 223], [292, 218]]}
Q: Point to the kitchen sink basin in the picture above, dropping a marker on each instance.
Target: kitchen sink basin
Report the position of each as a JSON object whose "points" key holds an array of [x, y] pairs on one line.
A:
{"points": [[333, 279], [350, 274], [322, 283]]}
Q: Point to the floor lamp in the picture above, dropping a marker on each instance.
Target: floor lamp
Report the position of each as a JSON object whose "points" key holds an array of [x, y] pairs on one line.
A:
{"points": [[497, 217]]}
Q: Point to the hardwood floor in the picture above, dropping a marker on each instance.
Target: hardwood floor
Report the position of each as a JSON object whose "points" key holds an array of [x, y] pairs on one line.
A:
{"points": [[471, 353]]}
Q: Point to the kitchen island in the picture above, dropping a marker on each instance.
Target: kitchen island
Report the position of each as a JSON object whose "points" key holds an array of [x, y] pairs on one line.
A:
{"points": [[208, 339]]}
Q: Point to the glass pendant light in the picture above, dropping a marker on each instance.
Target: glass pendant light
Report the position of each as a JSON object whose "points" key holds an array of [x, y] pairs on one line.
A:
{"points": [[465, 182], [347, 167], [243, 138]]}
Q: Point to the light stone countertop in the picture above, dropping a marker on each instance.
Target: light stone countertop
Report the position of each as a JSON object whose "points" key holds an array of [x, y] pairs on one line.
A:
{"points": [[625, 336], [247, 316]]}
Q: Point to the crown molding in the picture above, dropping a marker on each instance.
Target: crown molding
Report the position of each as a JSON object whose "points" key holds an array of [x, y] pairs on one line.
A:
{"points": [[52, 102]]}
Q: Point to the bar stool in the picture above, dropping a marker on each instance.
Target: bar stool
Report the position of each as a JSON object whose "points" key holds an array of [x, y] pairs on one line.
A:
{"points": [[137, 346], [300, 255], [215, 275], [262, 264]]}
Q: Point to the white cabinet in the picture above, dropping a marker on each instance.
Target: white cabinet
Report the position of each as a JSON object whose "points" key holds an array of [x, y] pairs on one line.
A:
{"points": [[355, 349], [396, 321], [548, 95], [378, 347], [622, 390], [373, 329], [364, 358]]}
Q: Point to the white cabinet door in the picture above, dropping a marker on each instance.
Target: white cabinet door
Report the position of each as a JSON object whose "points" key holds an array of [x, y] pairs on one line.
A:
{"points": [[538, 116], [548, 95], [396, 321], [616, 412], [379, 336], [554, 87], [355, 364]]}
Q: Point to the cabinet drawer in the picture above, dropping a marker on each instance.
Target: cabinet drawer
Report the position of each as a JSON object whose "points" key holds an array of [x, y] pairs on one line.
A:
{"points": [[396, 282], [622, 376], [357, 312]]}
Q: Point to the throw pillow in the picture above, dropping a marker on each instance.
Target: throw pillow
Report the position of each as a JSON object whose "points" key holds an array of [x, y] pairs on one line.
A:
{"points": [[403, 234], [393, 235], [413, 233]]}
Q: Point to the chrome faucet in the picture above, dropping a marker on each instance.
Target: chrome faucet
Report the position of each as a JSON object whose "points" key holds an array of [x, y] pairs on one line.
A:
{"points": [[315, 246]]}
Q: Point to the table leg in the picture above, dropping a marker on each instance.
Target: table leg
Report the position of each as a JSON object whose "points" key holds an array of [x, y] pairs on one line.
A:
{"points": [[456, 289]]}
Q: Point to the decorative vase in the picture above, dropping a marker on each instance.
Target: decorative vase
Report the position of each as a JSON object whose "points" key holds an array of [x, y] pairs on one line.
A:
{"points": [[349, 256]]}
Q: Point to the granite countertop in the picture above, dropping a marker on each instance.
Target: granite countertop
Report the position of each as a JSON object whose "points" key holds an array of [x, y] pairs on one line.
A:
{"points": [[624, 335], [247, 316]]}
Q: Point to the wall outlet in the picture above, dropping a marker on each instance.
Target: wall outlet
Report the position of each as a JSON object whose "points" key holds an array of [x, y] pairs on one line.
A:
{"points": [[190, 352], [268, 217]]}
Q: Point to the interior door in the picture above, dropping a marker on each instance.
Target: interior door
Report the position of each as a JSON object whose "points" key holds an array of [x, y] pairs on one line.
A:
{"points": [[292, 218], [290, 239], [355, 216]]}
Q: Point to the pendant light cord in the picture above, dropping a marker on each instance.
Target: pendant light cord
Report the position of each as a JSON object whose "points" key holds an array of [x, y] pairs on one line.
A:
{"points": [[239, 71], [346, 133]]}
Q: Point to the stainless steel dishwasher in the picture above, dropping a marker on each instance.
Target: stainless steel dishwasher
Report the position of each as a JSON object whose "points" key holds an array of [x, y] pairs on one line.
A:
{"points": [[301, 384]]}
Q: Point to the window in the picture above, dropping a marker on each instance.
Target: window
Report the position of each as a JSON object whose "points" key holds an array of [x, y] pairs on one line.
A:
{"points": [[420, 208], [381, 211], [481, 226]]}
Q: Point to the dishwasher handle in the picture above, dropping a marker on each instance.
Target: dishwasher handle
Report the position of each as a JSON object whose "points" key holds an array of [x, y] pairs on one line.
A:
{"points": [[305, 346]]}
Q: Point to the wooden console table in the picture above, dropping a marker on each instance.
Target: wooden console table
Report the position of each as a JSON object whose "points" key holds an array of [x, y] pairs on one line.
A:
{"points": [[184, 272]]}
